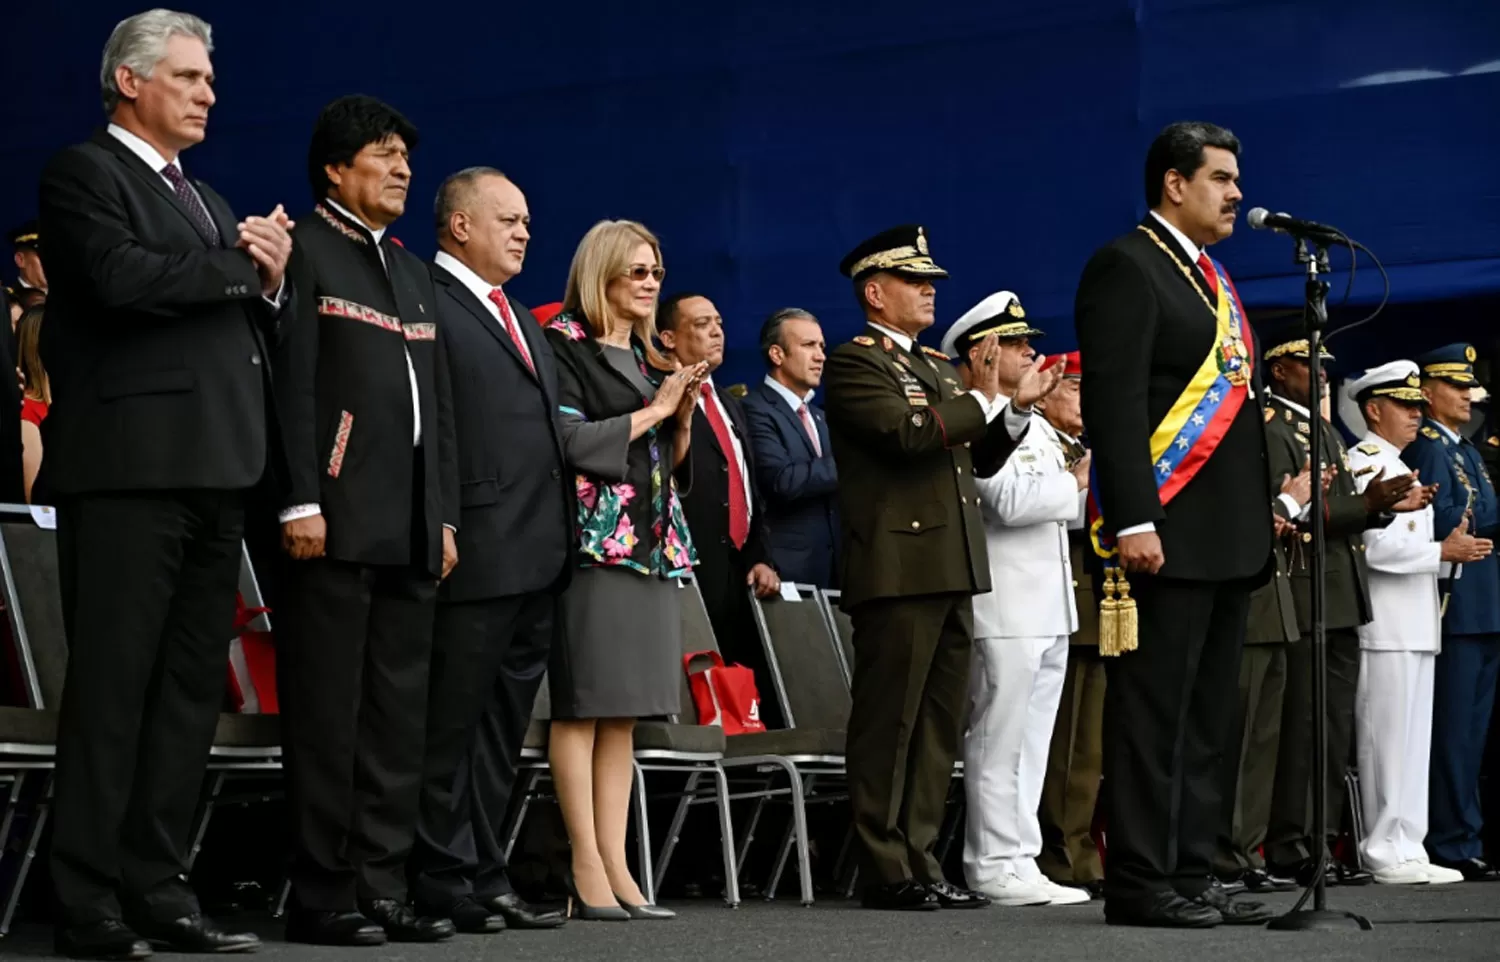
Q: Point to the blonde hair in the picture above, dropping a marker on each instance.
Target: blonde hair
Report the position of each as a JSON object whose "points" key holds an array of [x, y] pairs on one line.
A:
{"points": [[603, 255]]}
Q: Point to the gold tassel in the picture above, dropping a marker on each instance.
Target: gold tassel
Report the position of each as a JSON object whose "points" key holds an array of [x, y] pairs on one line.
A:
{"points": [[1129, 629], [1109, 616]]}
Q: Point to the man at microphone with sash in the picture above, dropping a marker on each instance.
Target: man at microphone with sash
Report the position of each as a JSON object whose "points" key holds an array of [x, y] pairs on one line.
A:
{"points": [[1180, 506]]}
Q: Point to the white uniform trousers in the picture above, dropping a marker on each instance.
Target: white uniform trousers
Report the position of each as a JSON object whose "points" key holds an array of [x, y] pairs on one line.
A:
{"points": [[1393, 733], [1015, 685]]}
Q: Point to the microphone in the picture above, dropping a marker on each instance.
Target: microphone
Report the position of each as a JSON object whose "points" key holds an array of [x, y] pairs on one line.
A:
{"points": [[1262, 219]]}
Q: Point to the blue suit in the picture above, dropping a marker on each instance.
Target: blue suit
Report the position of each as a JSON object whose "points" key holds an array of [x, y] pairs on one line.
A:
{"points": [[799, 487], [1466, 671]]}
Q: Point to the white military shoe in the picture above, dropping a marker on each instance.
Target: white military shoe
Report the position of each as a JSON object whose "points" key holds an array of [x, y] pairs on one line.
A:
{"points": [[1407, 873]]}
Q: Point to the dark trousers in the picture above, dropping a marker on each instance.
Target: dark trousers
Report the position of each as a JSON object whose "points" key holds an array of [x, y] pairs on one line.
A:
{"points": [[721, 581], [911, 683], [1289, 839], [1250, 760], [1167, 712], [1463, 700], [353, 651], [1070, 787], [148, 584], [488, 660]]}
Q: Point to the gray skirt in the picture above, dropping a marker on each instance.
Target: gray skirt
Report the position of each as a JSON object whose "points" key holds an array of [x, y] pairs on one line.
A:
{"points": [[619, 654]]}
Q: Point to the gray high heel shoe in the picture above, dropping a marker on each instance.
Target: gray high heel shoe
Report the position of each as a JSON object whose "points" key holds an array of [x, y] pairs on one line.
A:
{"points": [[645, 912]]}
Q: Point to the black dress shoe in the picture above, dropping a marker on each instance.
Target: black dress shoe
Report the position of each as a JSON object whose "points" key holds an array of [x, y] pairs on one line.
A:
{"points": [[467, 916], [1338, 874], [1260, 880], [401, 924], [1235, 912], [1231, 887], [332, 928], [196, 933], [519, 915], [106, 939], [1164, 910], [899, 897], [950, 896], [1473, 869], [1094, 888]]}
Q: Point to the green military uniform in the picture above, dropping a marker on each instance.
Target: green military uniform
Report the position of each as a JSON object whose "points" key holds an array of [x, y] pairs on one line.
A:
{"points": [[1075, 759], [908, 440], [1251, 750], [1346, 605]]}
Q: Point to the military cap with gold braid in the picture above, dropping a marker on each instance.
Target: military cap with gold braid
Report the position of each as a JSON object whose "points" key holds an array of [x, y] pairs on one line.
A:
{"points": [[1397, 380], [27, 237], [1453, 363], [1288, 338], [1000, 314], [900, 250]]}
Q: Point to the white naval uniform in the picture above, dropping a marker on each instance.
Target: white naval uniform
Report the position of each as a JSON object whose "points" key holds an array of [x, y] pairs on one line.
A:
{"points": [[1021, 630], [1393, 706]]}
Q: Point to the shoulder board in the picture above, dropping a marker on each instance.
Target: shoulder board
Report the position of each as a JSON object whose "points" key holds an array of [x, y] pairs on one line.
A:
{"points": [[930, 352], [864, 341], [1364, 470], [1494, 441], [1270, 414], [1370, 449], [1430, 432]]}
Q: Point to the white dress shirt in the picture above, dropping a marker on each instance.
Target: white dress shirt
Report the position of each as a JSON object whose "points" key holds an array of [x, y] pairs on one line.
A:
{"points": [[153, 159], [481, 288], [734, 439], [1016, 420], [788, 395], [308, 510]]}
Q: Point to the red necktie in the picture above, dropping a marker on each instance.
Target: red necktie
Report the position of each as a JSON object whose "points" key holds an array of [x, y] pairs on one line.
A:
{"points": [[739, 511], [812, 430], [497, 297], [1209, 274]]}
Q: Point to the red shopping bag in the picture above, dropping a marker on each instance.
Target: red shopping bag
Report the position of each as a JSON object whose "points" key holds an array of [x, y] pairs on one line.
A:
{"points": [[724, 695]]}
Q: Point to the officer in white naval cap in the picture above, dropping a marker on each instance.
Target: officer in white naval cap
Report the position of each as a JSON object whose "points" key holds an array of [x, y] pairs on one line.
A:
{"points": [[1021, 627], [1398, 648]]}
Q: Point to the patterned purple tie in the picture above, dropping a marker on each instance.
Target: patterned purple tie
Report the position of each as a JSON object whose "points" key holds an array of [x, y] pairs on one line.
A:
{"points": [[196, 210]]}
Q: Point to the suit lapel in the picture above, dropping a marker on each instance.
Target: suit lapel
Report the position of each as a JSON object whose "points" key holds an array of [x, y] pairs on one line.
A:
{"points": [[481, 315], [152, 179], [223, 217], [789, 418], [1180, 259]]}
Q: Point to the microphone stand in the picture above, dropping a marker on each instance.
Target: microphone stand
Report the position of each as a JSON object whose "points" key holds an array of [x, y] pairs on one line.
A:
{"points": [[1315, 316]]}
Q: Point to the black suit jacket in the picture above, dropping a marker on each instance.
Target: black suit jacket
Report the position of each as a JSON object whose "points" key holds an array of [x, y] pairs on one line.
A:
{"points": [[515, 532], [799, 488], [1143, 330], [156, 338], [706, 504], [345, 394]]}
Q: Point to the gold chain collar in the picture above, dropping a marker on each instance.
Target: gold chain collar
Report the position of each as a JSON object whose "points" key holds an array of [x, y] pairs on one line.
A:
{"points": [[1186, 271]]}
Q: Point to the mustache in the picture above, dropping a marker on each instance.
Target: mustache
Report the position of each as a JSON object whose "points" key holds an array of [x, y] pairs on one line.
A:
{"points": [[1230, 209]]}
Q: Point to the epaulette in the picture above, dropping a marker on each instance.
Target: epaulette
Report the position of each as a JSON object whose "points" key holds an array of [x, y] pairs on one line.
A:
{"points": [[1364, 470], [1270, 414], [1430, 433], [1493, 442], [931, 352], [1370, 449], [864, 341]]}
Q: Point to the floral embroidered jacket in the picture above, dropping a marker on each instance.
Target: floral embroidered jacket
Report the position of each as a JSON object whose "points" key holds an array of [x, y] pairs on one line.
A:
{"points": [[629, 514]]}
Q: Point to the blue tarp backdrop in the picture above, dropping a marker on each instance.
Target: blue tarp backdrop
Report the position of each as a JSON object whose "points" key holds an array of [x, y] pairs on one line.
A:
{"points": [[762, 140]]}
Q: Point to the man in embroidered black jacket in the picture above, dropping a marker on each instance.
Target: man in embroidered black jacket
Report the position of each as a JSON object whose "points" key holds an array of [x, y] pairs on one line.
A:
{"points": [[362, 385]]}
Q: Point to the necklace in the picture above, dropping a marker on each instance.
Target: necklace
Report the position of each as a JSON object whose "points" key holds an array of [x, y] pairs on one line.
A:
{"points": [[1186, 271]]}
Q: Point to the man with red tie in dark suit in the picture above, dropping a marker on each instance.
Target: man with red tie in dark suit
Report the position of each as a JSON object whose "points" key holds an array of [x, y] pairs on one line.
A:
{"points": [[723, 507], [794, 461], [1172, 407], [497, 614], [161, 307]]}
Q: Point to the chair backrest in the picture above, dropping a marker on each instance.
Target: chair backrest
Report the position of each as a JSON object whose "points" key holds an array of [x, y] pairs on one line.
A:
{"points": [[33, 600], [843, 629], [803, 655], [697, 635]]}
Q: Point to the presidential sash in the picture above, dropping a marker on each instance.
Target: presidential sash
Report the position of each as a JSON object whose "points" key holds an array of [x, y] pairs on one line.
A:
{"points": [[1182, 443]]}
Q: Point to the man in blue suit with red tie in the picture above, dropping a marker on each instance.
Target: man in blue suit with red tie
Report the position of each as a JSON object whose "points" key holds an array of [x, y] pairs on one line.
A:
{"points": [[794, 463], [1468, 665]]}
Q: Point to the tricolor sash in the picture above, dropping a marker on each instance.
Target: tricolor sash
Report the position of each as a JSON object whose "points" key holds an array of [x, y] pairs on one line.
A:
{"points": [[1191, 430]]}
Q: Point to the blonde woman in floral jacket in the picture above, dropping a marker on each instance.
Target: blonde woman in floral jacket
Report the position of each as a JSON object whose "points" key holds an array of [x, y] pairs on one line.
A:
{"points": [[626, 423]]}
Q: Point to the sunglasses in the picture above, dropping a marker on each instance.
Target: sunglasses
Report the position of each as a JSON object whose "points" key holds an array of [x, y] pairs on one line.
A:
{"points": [[639, 272]]}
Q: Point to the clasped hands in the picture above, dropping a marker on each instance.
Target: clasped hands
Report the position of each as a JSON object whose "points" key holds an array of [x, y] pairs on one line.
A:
{"points": [[268, 241]]}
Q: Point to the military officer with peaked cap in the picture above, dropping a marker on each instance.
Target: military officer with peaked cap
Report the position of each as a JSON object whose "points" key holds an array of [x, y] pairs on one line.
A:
{"points": [[908, 440], [1464, 686], [1293, 841]]}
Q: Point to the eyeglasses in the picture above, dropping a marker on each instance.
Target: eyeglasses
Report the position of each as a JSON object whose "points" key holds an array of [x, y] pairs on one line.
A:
{"points": [[639, 272]]}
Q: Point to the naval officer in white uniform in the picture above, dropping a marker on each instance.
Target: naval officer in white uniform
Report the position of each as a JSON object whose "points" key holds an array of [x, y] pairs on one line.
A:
{"points": [[1021, 629], [1393, 702]]}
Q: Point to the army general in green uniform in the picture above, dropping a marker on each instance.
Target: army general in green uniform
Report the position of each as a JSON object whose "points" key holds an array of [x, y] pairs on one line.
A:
{"points": [[908, 440]]}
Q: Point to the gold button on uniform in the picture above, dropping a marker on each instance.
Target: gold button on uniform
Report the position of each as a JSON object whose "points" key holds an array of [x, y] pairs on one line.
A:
{"points": [[916, 524]]}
